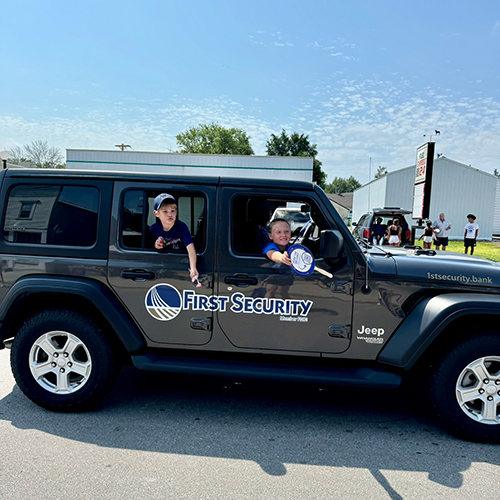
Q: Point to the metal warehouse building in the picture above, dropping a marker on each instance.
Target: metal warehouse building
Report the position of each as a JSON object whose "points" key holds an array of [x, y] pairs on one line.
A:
{"points": [[263, 167], [457, 189]]}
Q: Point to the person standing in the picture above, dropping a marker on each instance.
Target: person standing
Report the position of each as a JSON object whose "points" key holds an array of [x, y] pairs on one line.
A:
{"points": [[470, 236], [427, 235], [394, 233], [441, 228]]}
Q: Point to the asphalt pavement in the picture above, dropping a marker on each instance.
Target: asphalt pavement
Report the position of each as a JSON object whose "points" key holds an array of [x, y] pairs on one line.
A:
{"points": [[158, 436]]}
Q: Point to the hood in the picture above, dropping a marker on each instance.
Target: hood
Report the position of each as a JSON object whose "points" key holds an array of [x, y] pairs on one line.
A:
{"points": [[447, 268]]}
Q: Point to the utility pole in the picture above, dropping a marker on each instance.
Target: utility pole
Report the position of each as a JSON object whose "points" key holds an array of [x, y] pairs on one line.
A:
{"points": [[369, 184], [123, 146]]}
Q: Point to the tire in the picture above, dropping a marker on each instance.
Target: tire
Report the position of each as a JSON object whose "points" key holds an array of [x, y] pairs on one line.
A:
{"points": [[465, 389], [62, 361]]}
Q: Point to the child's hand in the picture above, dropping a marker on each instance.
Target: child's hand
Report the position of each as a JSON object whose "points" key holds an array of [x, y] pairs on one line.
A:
{"points": [[194, 276], [159, 243], [285, 259]]}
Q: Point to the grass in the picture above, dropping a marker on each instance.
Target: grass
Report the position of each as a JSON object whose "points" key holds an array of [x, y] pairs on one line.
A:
{"points": [[487, 249]]}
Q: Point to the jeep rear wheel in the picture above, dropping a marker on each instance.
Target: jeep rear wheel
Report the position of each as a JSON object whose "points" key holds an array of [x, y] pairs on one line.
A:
{"points": [[465, 389], [62, 361]]}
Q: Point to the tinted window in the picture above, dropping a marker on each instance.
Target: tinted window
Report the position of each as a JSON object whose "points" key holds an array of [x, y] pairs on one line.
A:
{"points": [[138, 216], [52, 215]]}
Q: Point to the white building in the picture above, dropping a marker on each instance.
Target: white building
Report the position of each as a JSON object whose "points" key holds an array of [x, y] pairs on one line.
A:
{"points": [[262, 167], [457, 189]]}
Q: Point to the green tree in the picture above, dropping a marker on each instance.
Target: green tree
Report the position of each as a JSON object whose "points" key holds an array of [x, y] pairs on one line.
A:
{"points": [[381, 171], [496, 173], [38, 153], [296, 145], [214, 139], [340, 185]]}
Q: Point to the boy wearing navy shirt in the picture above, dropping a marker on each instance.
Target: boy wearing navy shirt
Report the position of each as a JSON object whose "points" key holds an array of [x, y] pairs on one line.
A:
{"points": [[169, 233]]}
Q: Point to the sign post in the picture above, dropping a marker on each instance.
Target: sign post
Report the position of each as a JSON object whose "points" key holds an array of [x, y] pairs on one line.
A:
{"points": [[422, 185]]}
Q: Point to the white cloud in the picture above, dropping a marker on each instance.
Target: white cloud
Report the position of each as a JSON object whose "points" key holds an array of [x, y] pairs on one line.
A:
{"points": [[349, 120]]}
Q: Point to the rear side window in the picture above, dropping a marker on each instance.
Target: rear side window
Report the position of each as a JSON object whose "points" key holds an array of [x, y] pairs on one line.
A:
{"points": [[137, 217], [52, 215]]}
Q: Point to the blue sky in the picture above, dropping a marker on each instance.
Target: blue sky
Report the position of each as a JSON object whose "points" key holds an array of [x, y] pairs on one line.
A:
{"points": [[362, 78]]}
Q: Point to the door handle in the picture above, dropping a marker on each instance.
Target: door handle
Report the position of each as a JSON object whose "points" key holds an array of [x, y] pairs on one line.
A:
{"points": [[242, 280], [138, 274]]}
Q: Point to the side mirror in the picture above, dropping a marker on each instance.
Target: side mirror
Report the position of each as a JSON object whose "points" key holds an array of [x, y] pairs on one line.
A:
{"points": [[331, 244], [354, 224]]}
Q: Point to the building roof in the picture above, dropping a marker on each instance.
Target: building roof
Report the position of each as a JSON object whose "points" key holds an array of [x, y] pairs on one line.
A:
{"points": [[342, 199], [436, 162]]}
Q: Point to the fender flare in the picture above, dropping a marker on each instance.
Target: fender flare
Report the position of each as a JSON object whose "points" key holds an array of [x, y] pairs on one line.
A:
{"points": [[428, 319], [95, 292]]}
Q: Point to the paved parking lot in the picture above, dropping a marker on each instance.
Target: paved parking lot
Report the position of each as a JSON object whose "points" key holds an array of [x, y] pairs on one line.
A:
{"points": [[162, 437]]}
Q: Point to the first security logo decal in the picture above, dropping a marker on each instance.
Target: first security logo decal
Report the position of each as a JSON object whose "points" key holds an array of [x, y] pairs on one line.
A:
{"points": [[164, 302]]}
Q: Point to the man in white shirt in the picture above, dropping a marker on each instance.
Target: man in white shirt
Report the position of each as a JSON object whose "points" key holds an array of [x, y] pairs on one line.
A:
{"points": [[441, 228], [470, 236]]}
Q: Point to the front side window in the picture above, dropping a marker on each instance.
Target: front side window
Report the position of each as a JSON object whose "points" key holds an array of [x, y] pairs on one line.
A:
{"points": [[52, 215], [252, 215]]}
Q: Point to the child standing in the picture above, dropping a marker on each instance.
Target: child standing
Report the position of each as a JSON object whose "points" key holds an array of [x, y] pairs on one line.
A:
{"points": [[169, 233], [427, 235], [470, 236]]}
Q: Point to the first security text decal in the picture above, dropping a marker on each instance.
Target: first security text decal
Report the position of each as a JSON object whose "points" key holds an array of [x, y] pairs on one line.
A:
{"points": [[164, 302]]}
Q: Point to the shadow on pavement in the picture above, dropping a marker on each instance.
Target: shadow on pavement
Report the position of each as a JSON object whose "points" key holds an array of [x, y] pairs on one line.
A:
{"points": [[269, 423]]}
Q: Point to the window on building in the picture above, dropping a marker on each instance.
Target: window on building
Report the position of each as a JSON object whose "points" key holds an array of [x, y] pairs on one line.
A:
{"points": [[27, 209]]}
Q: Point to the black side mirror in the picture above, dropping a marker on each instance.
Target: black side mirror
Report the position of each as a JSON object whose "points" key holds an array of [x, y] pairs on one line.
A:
{"points": [[331, 244]]}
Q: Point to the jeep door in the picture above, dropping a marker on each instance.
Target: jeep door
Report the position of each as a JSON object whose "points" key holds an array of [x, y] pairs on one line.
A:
{"points": [[270, 307], [153, 284]]}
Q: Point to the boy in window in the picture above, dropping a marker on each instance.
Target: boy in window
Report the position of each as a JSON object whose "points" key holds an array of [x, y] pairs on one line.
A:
{"points": [[276, 250], [169, 233]]}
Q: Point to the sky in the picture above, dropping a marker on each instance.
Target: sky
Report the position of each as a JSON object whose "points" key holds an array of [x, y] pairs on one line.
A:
{"points": [[368, 81]]}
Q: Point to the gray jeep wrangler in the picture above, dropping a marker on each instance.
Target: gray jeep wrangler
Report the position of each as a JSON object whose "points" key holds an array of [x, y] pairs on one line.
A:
{"points": [[83, 291]]}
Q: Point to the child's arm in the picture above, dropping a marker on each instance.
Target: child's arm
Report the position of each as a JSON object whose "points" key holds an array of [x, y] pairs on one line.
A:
{"points": [[280, 258], [193, 272]]}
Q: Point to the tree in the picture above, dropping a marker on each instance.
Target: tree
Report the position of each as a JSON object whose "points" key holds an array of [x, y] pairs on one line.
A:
{"points": [[496, 173], [340, 185], [214, 139], [381, 171], [39, 153], [296, 145]]}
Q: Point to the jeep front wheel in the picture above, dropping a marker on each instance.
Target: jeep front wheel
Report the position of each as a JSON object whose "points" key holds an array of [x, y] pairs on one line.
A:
{"points": [[465, 389], [62, 361]]}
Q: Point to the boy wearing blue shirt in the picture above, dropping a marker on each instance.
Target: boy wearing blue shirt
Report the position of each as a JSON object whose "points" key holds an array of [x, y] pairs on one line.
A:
{"points": [[169, 233], [276, 250], [279, 234]]}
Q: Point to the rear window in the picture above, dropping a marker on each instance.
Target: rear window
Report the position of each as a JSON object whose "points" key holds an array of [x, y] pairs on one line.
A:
{"points": [[52, 215]]}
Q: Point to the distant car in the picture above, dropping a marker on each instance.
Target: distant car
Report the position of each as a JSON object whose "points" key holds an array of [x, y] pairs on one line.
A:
{"points": [[295, 216], [363, 229]]}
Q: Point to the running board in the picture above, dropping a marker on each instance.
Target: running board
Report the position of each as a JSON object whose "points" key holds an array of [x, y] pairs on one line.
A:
{"points": [[360, 377]]}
